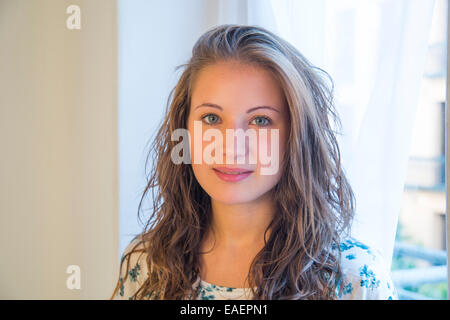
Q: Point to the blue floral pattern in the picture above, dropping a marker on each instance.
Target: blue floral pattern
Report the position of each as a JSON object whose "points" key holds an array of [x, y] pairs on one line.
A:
{"points": [[364, 277], [368, 278]]}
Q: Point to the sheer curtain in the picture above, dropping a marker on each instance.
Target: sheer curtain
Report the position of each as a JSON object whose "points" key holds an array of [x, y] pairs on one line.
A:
{"points": [[375, 51]]}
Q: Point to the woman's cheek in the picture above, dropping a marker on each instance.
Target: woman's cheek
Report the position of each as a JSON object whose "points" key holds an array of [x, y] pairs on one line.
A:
{"points": [[269, 151]]}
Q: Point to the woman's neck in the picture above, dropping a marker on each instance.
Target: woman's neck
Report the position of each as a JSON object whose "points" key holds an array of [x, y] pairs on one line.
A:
{"points": [[241, 225]]}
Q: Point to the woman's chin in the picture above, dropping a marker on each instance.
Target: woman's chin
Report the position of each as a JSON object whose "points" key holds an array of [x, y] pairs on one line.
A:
{"points": [[233, 196], [232, 199]]}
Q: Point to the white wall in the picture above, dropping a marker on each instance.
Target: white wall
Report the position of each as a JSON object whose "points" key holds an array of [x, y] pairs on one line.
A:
{"points": [[153, 38]]}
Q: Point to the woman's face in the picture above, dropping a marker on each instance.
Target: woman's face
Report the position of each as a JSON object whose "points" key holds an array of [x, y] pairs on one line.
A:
{"points": [[232, 96]]}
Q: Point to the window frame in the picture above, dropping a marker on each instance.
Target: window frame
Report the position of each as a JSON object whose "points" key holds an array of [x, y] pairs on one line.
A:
{"points": [[447, 154]]}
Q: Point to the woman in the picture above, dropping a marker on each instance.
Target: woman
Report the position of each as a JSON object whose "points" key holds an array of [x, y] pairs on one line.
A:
{"points": [[232, 229]]}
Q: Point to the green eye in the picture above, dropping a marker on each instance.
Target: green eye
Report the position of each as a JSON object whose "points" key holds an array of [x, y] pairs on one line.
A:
{"points": [[261, 121], [211, 118]]}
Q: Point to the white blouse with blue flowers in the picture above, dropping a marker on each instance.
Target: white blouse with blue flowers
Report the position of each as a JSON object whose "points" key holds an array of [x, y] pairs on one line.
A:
{"points": [[364, 277]]}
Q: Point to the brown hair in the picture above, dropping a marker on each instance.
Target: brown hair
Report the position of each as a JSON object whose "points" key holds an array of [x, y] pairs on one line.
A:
{"points": [[314, 201]]}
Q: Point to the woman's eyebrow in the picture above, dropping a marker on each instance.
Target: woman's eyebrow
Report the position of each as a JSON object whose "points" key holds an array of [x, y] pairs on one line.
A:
{"points": [[213, 105], [262, 107]]}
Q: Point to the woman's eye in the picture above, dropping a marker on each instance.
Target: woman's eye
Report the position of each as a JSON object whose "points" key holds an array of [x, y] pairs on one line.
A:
{"points": [[261, 121], [210, 118]]}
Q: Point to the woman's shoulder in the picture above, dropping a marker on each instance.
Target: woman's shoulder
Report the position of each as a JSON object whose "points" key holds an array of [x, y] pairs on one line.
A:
{"points": [[133, 269], [365, 273]]}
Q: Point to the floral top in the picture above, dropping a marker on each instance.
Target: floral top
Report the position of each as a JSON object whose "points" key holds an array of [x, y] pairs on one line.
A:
{"points": [[364, 277]]}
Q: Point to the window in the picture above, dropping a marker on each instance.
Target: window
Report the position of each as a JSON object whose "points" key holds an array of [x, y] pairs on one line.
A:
{"points": [[419, 265]]}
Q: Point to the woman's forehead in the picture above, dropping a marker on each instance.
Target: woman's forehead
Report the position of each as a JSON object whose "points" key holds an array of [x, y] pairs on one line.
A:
{"points": [[231, 84]]}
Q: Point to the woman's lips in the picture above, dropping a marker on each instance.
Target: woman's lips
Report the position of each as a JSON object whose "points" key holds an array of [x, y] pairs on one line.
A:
{"points": [[232, 174]]}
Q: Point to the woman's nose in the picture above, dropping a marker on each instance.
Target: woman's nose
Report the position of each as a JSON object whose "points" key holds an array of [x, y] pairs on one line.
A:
{"points": [[236, 144]]}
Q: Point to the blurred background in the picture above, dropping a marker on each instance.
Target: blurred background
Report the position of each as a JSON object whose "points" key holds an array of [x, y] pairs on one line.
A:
{"points": [[420, 260], [84, 85]]}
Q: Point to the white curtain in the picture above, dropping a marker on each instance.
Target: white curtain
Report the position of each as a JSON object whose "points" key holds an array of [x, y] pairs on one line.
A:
{"points": [[375, 51]]}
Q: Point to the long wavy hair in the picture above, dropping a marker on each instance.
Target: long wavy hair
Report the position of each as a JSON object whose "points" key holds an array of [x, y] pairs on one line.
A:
{"points": [[314, 201]]}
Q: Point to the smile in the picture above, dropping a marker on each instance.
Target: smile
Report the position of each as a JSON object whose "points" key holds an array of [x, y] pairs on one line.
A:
{"points": [[232, 174]]}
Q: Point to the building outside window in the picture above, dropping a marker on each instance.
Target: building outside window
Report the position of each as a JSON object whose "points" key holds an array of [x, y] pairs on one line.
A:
{"points": [[419, 265]]}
